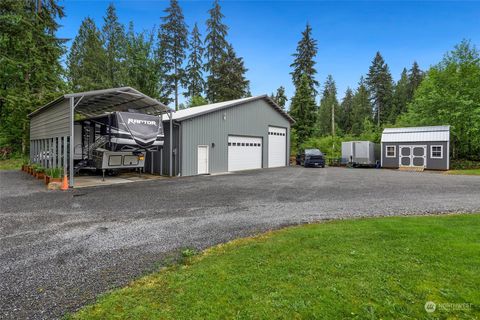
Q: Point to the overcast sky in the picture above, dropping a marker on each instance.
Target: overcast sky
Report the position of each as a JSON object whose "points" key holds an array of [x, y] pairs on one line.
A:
{"points": [[265, 33]]}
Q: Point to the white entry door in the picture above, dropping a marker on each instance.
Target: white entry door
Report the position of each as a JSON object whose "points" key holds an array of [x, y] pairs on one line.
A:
{"points": [[244, 153], [413, 156], [202, 160], [277, 147]]}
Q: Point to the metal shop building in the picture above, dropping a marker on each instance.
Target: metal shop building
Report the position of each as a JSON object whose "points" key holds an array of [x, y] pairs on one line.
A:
{"points": [[427, 147], [243, 134]]}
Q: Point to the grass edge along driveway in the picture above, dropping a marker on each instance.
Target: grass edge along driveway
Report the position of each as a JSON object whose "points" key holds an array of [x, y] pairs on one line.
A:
{"points": [[366, 268]]}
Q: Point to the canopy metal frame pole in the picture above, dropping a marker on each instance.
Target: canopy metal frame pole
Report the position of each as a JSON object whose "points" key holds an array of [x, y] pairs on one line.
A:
{"points": [[70, 165], [170, 152], [71, 177]]}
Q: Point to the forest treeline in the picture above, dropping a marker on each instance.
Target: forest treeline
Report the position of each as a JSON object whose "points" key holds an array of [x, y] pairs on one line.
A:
{"points": [[176, 60]]}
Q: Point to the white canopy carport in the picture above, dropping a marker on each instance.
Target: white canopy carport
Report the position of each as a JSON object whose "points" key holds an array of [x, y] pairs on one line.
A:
{"points": [[52, 126]]}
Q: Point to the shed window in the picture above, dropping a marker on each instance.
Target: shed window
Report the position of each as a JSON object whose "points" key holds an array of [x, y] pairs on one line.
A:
{"points": [[436, 152], [391, 150]]}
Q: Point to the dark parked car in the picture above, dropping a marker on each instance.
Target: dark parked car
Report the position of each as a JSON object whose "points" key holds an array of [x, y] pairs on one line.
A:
{"points": [[311, 158]]}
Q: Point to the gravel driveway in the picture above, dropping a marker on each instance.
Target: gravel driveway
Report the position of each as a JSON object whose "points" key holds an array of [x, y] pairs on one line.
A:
{"points": [[59, 250]]}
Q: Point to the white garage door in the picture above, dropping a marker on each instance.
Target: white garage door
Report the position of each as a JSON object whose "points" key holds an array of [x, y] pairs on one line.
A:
{"points": [[244, 153], [277, 147]]}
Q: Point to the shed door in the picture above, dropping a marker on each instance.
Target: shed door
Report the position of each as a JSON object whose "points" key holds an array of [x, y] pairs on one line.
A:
{"points": [[244, 153], [413, 156], [202, 160], [277, 147]]}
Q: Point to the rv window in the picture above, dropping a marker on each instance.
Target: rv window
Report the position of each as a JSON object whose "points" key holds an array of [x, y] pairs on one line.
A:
{"points": [[390, 152], [436, 152]]}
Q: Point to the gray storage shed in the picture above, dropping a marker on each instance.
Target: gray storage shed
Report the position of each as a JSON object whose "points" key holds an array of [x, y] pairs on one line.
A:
{"points": [[427, 147], [52, 126], [243, 134]]}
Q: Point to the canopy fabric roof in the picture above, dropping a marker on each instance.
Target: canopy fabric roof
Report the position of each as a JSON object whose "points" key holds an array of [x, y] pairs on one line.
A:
{"points": [[188, 113], [413, 134], [98, 102]]}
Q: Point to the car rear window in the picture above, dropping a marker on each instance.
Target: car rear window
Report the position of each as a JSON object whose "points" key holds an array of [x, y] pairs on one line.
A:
{"points": [[313, 152]]}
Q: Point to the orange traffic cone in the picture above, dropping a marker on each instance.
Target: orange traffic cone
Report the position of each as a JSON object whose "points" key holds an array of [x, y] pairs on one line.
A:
{"points": [[64, 183]]}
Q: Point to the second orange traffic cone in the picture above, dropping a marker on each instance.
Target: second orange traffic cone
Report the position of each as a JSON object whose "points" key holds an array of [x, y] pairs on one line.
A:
{"points": [[64, 183]]}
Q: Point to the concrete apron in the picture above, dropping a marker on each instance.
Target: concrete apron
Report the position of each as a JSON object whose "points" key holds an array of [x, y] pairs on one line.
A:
{"points": [[94, 181]]}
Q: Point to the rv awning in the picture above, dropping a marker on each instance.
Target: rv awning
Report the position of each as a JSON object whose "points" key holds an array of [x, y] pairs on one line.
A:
{"points": [[98, 102]]}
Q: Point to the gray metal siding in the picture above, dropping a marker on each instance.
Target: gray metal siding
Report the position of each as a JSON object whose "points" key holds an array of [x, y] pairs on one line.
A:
{"points": [[250, 119], [434, 164], [161, 158], [51, 122]]}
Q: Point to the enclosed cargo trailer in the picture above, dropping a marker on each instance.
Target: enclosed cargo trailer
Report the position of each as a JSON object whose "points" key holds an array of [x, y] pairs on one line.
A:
{"points": [[360, 153]]}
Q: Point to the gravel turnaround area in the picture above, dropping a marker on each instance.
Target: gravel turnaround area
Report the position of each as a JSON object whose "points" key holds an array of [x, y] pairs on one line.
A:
{"points": [[60, 250]]}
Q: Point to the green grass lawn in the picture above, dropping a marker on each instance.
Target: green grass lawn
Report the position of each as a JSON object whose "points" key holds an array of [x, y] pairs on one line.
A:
{"points": [[475, 172], [11, 164], [357, 269]]}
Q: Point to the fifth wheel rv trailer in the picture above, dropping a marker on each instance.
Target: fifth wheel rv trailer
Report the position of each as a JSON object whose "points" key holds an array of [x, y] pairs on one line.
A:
{"points": [[116, 140], [360, 153]]}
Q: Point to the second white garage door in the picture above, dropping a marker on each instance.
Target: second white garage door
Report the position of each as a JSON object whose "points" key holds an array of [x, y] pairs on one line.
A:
{"points": [[277, 147], [244, 153]]}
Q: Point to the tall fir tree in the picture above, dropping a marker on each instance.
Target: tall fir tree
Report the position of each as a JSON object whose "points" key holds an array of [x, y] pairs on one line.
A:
{"points": [[216, 46], [141, 65], [31, 73], [303, 110], [231, 81], [87, 59], [194, 81], [173, 41], [380, 86], [345, 114], [113, 34], [415, 77], [361, 108], [328, 101], [280, 97], [400, 97], [304, 61]]}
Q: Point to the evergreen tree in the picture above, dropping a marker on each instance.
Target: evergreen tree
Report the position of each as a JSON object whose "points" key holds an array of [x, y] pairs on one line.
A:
{"points": [[279, 97], [304, 62], [415, 77], [173, 38], [328, 101], [196, 101], [400, 97], [194, 78], [231, 81], [113, 34], [361, 108], [216, 47], [303, 110], [380, 86], [141, 65], [30, 68], [450, 94], [345, 114], [87, 59]]}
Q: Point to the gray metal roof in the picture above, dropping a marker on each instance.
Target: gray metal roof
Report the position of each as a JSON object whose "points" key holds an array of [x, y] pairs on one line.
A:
{"points": [[412, 134], [188, 113], [97, 102]]}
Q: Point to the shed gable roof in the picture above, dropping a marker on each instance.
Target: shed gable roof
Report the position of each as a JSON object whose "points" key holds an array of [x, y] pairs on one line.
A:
{"points": [[189, 113], [412, 134]]}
